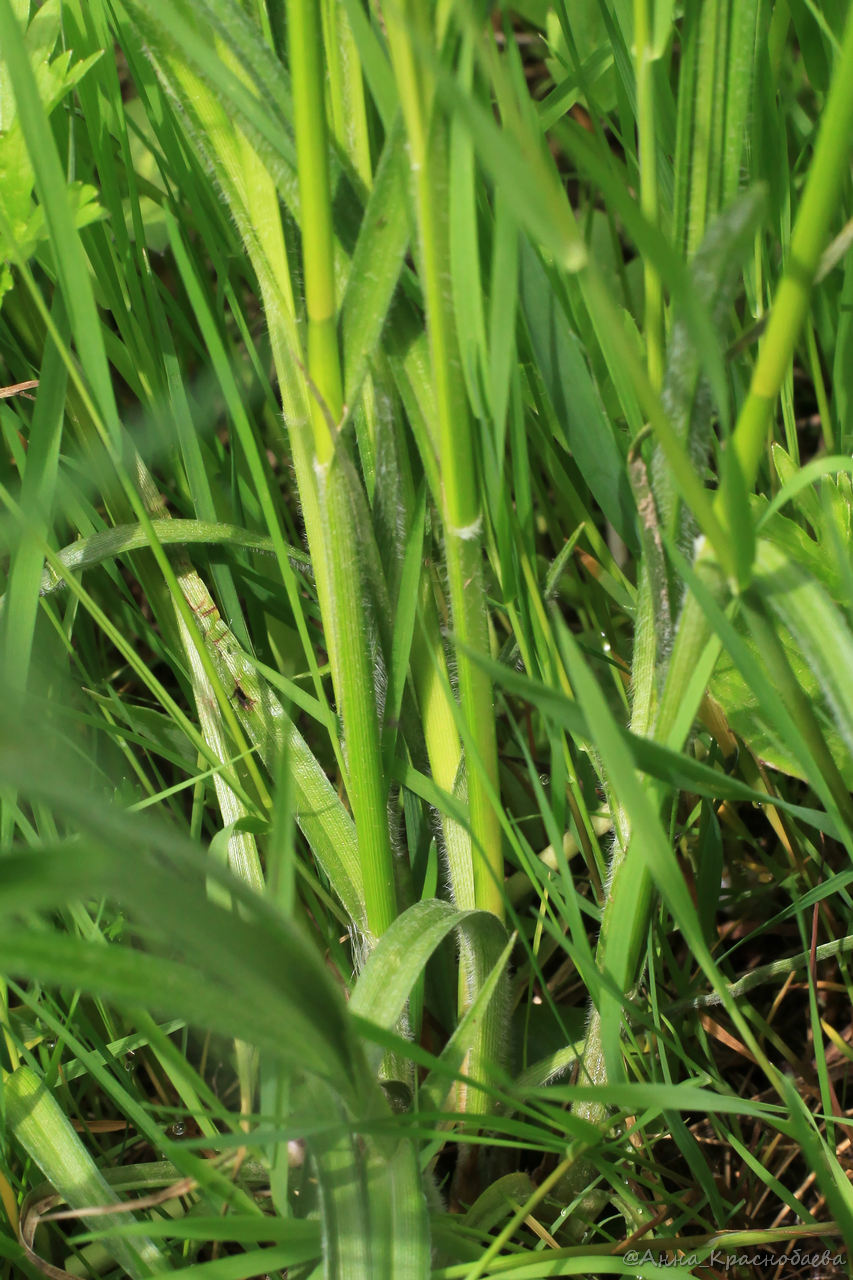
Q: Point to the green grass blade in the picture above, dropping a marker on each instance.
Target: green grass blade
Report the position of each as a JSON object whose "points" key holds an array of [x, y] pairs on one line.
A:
{"points": [[39, 1124], [376, 264]]}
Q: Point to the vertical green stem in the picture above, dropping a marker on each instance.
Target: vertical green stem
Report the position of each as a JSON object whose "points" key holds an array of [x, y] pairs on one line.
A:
{"points": [[344, 616], [312, 149], [461, 501], [648, 185], [431, 680]]}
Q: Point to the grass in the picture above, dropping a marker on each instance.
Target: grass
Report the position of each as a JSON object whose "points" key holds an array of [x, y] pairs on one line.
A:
{"points": [[425, 637]]}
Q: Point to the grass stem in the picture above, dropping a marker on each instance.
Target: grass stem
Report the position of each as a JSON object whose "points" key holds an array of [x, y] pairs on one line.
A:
{"points": [[461, 507], [351, 665]]}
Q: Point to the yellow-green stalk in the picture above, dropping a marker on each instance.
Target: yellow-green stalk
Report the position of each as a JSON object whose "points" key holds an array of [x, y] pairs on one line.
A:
{"points": [[408, 25]]}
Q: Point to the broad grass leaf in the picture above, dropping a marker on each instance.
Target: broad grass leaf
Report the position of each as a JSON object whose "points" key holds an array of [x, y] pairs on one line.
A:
{"points": [[503, 301], [521, 167], [498, 1201], [719, 48], [302, 1236], [260, 981], [396, 962], [251, 89], [468, 1048], [714, 276], [374, 1218], [648, 857]]}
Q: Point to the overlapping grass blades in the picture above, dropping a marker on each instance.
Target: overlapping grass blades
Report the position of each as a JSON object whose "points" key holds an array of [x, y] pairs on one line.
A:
{"points": [[161, 885]]}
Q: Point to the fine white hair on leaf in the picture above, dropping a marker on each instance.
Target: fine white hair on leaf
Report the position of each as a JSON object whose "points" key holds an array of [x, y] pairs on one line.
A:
{"points": [[362, 944], [467, 532]]}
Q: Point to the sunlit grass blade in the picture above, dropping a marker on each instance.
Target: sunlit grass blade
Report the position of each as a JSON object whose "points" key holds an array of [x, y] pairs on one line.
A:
{"points": [[39, 1124]]}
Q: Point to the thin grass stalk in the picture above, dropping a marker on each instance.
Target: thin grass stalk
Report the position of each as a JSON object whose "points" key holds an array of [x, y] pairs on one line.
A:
{"points": [[349, 126], [351, 667], [646, 131], [475, 859], [461, 508], [431, 680]]}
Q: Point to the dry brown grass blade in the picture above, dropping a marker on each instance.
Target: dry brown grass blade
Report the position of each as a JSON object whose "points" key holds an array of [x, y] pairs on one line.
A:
{"points": [[18, 389]]}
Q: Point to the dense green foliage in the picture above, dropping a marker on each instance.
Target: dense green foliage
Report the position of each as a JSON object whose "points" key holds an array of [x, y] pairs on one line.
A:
{"points": [[426, 641]]}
